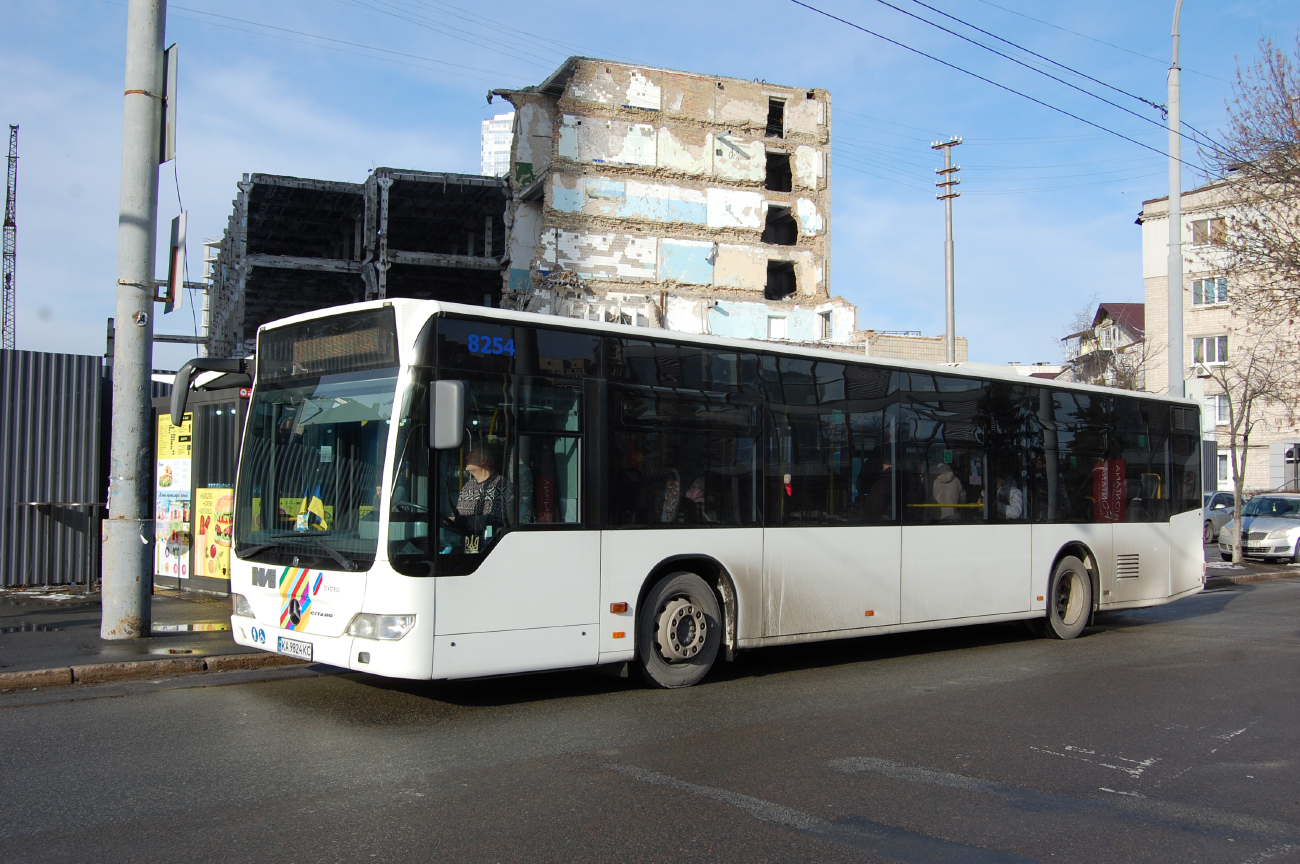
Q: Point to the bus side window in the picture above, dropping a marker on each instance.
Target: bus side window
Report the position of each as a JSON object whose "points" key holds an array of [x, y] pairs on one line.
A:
{"points": [[944, 472], [549, 460], [1016, 440], [681, 458]]}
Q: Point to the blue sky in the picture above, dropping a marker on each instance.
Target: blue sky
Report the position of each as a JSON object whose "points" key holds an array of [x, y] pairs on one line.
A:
{"points": [[1045, 220]]}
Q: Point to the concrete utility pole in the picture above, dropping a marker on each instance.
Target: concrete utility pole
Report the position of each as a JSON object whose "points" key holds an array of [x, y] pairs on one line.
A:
{"points": [[129, 528], [1176, 371], [947, 191]]}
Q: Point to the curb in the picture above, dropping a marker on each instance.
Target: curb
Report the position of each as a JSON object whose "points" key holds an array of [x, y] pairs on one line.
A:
{"points": [[1247, 578], [98, 673]]}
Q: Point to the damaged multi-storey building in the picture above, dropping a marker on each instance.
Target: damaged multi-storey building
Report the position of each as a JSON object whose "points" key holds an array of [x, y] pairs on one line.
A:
{"points": [[645, 196], [671, 199]]}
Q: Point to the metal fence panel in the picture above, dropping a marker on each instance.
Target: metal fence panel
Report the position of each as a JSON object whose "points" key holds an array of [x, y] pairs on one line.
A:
{"points": [[51, 486]]}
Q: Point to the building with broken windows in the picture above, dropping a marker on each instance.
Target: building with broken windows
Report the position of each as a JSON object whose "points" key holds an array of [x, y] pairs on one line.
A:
{"points": [[672, 199], [632, 194]]}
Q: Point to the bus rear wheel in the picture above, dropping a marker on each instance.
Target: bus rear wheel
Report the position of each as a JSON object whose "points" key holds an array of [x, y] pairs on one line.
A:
{"points": [[1069, 599], [679, 628]]}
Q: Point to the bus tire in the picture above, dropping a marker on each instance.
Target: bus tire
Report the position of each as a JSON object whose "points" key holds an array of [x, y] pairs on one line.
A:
{"points": [[1069, 599], [678, 630]]}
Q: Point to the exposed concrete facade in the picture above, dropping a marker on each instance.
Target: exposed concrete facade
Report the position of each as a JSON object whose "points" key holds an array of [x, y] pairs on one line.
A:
{"points": [[676, 200], [1208, 317], [294, 244]]}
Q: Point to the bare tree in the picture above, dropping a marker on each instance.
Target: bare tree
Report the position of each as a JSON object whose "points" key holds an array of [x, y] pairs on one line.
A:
{"points": [[1259, 375], [1259, 157], [1123, 366]]}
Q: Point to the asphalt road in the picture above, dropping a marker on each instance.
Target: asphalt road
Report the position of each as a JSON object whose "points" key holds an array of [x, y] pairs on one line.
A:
{"points": [[1162, 735]]}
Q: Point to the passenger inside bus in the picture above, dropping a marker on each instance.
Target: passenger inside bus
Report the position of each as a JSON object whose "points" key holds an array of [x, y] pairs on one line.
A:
{"points": [[1009, 505], [947, 489]]}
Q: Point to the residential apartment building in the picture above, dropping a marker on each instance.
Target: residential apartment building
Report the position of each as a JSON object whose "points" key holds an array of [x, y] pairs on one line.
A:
{"points": [[1211, 327], [691, 202], [494, 145]]}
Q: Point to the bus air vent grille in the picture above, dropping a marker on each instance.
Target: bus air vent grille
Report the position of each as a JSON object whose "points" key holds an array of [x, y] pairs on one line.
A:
{"points": [[1127, 566]]}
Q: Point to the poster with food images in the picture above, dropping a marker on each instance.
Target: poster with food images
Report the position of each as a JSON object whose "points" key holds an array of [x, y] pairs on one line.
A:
{"points": [[214, 509], [172, 497]]}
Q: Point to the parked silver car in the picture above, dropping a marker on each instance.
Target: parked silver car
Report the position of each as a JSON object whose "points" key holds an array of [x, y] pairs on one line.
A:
{"points": [[1218, 510], [1270, 528]]}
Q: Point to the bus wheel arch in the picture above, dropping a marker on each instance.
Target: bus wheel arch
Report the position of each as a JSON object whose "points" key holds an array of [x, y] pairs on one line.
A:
{"points": [[1076, 578], [1080, 550], [709, 584]]}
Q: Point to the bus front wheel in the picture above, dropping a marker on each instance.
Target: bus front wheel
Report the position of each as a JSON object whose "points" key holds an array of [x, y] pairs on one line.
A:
{"points": [[679, 628], [1069, 599]]}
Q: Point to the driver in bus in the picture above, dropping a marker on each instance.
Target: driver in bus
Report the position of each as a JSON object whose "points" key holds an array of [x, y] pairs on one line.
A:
{"points": [[481, 506]]}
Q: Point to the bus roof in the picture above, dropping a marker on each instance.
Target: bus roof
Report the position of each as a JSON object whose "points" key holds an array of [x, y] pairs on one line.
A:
{"points": [[430, 308]]}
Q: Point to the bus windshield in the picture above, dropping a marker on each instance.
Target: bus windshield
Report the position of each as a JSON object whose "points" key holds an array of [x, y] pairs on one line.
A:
{"points": [[311, 470]]}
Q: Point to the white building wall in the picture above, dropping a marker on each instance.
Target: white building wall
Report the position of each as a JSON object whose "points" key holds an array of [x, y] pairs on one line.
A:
{"points": [[494, 145]]}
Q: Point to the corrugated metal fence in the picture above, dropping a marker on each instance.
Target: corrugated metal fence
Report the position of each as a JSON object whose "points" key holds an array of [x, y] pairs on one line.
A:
{"points": [[51, 486]]}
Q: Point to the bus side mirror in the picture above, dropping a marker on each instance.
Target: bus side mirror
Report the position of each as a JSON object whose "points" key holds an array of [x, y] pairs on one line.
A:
{"points": [[447, 417]]}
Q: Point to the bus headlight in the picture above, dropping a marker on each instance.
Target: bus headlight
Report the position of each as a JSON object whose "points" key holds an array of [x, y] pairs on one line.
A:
{"points": [[366, 625], [240, 606]]}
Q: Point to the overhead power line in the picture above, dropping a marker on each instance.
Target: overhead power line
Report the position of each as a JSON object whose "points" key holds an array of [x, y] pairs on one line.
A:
{"points": [[1030, 66], [496, 46], [331, 39], [1098, 41], [1069, 69], [976, 75]]}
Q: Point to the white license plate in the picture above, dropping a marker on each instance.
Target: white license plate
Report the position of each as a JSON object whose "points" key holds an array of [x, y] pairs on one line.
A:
{"points": [[294, 648]]}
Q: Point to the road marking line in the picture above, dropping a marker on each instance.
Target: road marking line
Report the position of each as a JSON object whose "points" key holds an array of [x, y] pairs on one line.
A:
{"points": [[1135, 772], [876, 838], [1183, 815]]}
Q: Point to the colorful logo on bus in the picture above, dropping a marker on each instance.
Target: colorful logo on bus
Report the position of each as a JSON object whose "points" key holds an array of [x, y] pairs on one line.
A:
{"points": [[297, 589]]}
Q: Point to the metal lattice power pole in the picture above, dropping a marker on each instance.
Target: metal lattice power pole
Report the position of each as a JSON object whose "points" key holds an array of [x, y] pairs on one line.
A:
{"points": [[947, 191], [9, 324], [129, 528]]}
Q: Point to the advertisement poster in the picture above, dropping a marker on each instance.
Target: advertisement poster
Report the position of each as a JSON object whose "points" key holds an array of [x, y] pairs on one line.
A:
{"points": [[172, 498], [214, 510], [1108, 488]]}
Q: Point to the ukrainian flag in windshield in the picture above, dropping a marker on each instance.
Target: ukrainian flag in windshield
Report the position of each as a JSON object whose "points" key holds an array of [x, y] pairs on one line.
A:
{"points": [[312, 515]]}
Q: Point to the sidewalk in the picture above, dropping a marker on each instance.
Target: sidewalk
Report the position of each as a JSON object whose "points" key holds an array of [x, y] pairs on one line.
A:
{"points": [[1220, 573], [52, 635]]}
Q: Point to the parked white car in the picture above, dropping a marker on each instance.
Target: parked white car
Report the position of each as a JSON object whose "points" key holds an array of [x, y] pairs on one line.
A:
{"points": [[1218, 510], [1270, 528]]}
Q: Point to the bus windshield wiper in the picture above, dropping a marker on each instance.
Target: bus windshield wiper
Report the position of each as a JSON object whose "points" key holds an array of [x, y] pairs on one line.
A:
{"points": [[348, 563], [253, 550]]}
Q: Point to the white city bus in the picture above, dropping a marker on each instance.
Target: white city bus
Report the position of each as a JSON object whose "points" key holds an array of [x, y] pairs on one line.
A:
{"points": [[436, 491]]}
